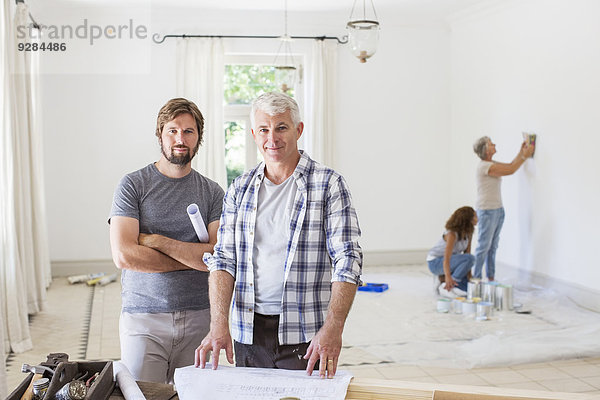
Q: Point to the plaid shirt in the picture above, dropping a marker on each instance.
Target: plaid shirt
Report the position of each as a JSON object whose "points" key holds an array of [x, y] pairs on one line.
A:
{"points": [[322, 247]]}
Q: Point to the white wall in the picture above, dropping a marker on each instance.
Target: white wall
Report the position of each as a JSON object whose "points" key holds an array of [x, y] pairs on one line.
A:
{"points": [[533, 66], [99, 114], [394, 119]]}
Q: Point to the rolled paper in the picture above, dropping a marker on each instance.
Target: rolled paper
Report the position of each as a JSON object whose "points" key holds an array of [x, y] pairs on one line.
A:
{"points": [[126, 382], [198, 222]]}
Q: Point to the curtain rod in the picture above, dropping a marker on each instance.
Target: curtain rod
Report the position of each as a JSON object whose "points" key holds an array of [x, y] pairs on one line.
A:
{"points": [[343, 40]]}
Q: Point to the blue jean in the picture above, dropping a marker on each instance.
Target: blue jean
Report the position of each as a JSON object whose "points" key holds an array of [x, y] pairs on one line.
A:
{"points": [[460, 265], [490, 224]]}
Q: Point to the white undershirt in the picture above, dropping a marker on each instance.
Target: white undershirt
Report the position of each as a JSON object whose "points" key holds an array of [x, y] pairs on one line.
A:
{"points": [[271, 236]]}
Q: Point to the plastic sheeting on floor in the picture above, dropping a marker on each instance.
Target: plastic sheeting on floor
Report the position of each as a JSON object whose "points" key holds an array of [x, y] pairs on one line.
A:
{"points": [[404, 326]]}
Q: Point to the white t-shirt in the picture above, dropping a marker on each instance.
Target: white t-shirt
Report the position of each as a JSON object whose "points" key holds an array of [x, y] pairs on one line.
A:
{"points": [[488, 188], [271, 236]]}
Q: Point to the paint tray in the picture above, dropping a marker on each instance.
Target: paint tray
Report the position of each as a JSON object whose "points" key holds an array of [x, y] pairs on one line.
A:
{"points": [[374, 287]]}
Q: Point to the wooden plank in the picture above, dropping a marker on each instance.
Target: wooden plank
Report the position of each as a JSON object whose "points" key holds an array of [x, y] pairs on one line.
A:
{"points": [[366, 389], [363, 389], [444, 395]]}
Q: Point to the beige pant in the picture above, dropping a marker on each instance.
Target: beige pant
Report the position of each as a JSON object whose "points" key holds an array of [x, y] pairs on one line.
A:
{"points": [[153, 345]]}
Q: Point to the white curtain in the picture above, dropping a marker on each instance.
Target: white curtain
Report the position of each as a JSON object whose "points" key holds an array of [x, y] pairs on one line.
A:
{"points": [[321, 81], [4, 17], [24, 263], [200, 74]]}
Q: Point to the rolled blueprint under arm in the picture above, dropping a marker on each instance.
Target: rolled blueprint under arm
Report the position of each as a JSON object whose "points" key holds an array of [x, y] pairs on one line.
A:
{"points": [[198, 222]]}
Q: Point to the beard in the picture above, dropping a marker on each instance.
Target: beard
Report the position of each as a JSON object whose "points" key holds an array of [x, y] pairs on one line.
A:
{"points": [[182, 159]]}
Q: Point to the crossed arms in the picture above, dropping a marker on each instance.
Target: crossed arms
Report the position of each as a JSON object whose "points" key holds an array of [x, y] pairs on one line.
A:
{"points": [[156, 253]]}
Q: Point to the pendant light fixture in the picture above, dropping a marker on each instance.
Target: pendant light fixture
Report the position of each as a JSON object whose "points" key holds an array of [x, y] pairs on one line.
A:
{"points": [[363, 34], [285, 68]]}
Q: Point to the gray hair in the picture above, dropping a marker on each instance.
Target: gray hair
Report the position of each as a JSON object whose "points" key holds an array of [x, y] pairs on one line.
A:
{"points": [[273, 103], [480, 146]]}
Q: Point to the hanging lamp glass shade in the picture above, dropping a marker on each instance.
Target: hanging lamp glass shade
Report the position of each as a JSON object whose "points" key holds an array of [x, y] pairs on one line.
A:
{"points": [[363, 36], [285, 76], [285, 65]]}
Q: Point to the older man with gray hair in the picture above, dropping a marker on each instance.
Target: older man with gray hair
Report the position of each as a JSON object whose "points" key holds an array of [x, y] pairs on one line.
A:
{"points": [[288, 253], [490, 211]]}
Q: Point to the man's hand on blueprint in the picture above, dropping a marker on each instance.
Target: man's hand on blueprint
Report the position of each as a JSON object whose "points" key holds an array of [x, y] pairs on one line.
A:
{"points": [[218, 338], [325, 346]]}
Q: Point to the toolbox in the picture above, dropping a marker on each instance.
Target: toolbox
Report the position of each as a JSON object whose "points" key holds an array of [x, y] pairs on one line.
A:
{"points": [[66, 371]]}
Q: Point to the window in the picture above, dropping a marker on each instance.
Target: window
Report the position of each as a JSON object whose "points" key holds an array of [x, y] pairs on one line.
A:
{"points": [[246, 78]]}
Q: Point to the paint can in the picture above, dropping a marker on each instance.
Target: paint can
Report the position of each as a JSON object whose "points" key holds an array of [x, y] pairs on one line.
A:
{"points": [[488, 291], [457, 305], [473, 289], [484, 310], [443, 305], [504, 298], [468, 307]]}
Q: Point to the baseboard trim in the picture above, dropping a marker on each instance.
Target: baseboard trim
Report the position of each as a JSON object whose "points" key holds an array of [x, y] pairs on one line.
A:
{"points": [[80, 267], [371, 258], [582, 296], [394, 257]]}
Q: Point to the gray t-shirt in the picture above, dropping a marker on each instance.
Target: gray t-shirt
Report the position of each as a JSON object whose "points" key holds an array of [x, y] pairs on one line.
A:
{"points": [[160, 204], [488, 188]]}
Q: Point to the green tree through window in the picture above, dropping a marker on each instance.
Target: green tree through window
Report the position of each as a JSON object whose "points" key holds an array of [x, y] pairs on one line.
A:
{"points": [[244, 83]]}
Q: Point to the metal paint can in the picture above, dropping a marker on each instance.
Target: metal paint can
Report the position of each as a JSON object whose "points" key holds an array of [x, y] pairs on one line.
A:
{"points": [[473, 289], [488, 291], [484, 310], [443, 305], [457, 305], [504, 298], [468, 307]]}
